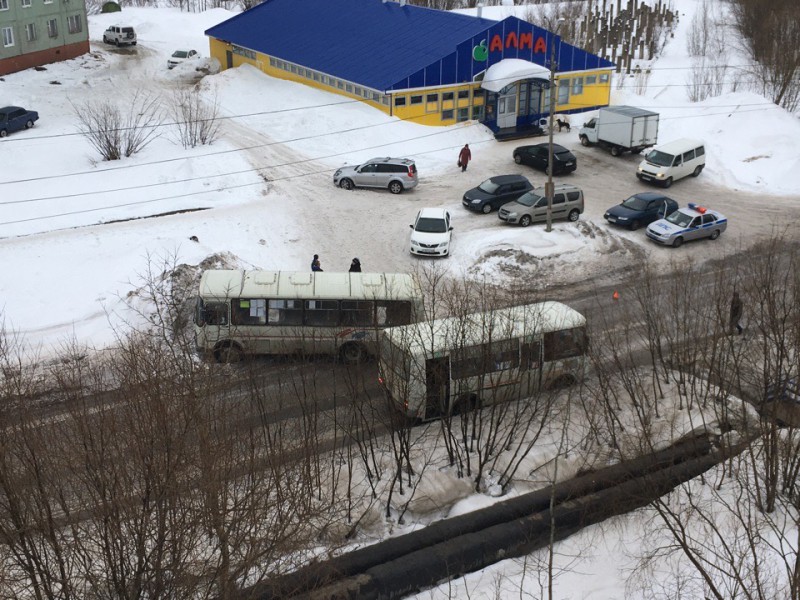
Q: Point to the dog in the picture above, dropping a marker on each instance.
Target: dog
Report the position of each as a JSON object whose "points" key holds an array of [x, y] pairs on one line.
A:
{"points": [[563, 124]]}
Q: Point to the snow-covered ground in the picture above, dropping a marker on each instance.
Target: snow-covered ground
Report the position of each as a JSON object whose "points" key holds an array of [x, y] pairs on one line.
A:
{"points": [[78, 235]]}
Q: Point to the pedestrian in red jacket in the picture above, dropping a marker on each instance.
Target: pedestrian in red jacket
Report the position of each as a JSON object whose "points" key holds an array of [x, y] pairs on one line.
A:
{"points": [[464, 157]]}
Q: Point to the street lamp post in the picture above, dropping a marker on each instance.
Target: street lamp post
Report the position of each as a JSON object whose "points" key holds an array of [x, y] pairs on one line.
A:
{"points": [[549, 187]]}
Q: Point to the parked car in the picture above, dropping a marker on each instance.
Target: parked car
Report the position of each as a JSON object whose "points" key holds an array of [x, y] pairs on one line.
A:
{"points": [[14, 118], [119, 35], [394, 174], [686, 224], [536, 156], [180, 56], [531, 207], [675, 160], [641, 209], [430, 233], [496, 191]]}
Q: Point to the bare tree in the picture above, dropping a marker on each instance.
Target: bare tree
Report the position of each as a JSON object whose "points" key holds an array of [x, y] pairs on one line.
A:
{"points": [[196, 121]]}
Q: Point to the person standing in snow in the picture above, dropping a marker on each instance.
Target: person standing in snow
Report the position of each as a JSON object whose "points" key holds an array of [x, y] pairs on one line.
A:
{"points": [[355, 266], [315, 264], [464, 157], [737, 308]]}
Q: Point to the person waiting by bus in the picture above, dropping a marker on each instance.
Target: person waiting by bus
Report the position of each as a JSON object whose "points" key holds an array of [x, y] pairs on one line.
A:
{"points": [[355, 266], [315, 264]]}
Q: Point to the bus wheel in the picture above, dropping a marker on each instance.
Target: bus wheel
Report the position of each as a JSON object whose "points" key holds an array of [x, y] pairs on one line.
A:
{"points": [[229, 353], [353, 354], [464, 404]]}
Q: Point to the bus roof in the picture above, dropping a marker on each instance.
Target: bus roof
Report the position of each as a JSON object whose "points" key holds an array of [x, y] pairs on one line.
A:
{"points": [[236, 283], [431, 337]]}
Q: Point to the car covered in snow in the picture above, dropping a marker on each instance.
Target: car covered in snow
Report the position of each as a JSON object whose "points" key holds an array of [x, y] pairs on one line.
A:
{"points": [[686, 224], [181, 56], [14, 118]]}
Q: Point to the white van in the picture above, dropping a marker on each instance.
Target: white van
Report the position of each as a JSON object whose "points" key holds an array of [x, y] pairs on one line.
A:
{"points": [[668, 162]]}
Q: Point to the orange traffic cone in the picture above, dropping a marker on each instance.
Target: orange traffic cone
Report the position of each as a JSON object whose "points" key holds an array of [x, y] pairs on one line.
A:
{"points": [[615, 295]]}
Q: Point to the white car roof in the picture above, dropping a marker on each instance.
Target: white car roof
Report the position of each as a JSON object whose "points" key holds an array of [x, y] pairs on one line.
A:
{"points": [[432, 213]]}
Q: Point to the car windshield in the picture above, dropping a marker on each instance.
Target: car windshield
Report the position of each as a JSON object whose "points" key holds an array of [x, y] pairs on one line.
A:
{"points": [[680, 219], [661, 159], [180, 54], [635, 203], [431, 225], [489, 186], [529, 199]]}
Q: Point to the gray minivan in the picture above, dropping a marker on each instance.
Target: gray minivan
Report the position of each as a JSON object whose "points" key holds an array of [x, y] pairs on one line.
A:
{"points": [[394, 174], [531, 207]]}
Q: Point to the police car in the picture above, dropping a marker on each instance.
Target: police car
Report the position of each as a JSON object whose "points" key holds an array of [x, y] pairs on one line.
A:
{"points": [[685, 224]]}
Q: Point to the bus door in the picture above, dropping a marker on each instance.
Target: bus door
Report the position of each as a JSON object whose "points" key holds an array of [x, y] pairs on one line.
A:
{"points": [[530, 364], [437, 386]]}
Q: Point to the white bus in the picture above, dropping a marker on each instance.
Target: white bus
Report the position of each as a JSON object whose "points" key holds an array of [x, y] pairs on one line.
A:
{"points": [[241, 313], [449, 365]]}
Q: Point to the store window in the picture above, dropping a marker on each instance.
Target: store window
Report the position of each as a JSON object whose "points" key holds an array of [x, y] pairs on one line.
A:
{"points": [[591, 79], [463, 114], [447, 115], [604, 78], [563, 91], [463, 94], [399, 100], [577, 86], [416, 99]]}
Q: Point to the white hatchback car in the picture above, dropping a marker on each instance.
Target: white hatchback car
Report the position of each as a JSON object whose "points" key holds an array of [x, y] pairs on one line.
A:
{"points": [[430, 233], [180, 56]]}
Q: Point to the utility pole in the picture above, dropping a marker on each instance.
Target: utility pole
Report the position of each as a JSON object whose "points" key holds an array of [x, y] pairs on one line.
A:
{"points": [[549, 187]]}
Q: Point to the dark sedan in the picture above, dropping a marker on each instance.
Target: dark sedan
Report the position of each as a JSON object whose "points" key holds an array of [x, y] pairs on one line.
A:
{"points": [[14, 118], [496, 191], [564, 161], [641, 209]]}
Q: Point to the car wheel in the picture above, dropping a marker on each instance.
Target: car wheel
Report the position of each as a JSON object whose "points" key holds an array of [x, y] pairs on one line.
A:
{"points": [[395, 187], [635, 225], [525, 221], [487, 208], [105, 40], [133, 43], [3, 133], [518, 159], [584, 140], [697, 170], [117, 43], [615, 151], [714, 234], [346, 184], [677, 243], [574, 214], [353, 354], [28, 124], [668, 182]]}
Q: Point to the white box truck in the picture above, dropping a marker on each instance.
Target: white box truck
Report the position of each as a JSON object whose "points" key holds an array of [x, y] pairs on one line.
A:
{"points": [[621, 129]]}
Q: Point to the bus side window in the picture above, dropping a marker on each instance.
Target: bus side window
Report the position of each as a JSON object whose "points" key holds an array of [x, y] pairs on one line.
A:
{"points": [[285, 312], [210, 314], [531, 355], [357, 313], [504, 355], [247, 311], [564, 344], [321, 313], [390, 313]]}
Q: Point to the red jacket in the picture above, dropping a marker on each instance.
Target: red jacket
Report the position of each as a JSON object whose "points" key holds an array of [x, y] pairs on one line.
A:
{"points": [[465, 156]]}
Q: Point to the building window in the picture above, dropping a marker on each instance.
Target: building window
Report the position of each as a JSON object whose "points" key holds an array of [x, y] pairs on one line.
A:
{"points": [[603, 77], [447, 97], [385, 100], [376, 97], [348, 88], [416, 99], [591, 79], [577, 86], [52, 28], [399, 100], [477, 112], [241, 52], [563, 91], [462, 94], [432, 103], [272, 62], [25, 3], [447, 115], [340, 84], [316, 76], [30, 32], [8, 37], [463, 114], [3, 4]]}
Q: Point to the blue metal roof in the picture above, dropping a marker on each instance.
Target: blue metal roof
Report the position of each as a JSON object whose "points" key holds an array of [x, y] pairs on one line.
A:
{"points": [[370, 42]]}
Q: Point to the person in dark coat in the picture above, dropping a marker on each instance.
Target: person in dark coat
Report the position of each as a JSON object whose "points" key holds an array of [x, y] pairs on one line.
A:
{"points": [[315, 264], [737, 308], [464, 157], [355, 266]]}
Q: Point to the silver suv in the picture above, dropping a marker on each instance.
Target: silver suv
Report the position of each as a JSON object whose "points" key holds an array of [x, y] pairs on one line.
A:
{"points": [[119, 35], [394, 174], [531, 207]]}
